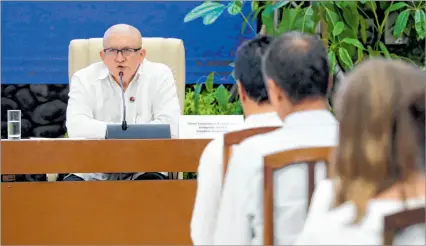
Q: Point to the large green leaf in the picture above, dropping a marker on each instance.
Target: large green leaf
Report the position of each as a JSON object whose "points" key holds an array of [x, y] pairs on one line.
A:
{"points": [[384, 49], [396, 6], [222, 95], [332, 60], [209, 82], [268, 21], [331, 17], [203, 10], [345, 58], [197, 92], [254, 5], [354, 42], [420, 23], [351, 16], [308, 21], [401, 23], [269, 9], [363, 28], [288, 20], [211, 17], [234, 7], [338, 28]]}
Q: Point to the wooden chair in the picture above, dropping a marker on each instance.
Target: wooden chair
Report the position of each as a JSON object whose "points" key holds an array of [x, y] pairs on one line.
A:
{"points": [[401, 220], [233, 138], [283, 159]]}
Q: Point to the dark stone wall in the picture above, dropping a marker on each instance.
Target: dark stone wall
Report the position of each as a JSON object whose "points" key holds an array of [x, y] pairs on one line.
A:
{"points": [[42, 106]]}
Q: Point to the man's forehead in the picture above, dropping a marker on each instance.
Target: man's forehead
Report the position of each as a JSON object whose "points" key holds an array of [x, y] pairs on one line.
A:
{"points": [[122, 41]]}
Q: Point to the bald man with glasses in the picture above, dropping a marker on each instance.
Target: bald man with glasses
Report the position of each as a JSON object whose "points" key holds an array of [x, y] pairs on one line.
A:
{"points": [[95, 97]]}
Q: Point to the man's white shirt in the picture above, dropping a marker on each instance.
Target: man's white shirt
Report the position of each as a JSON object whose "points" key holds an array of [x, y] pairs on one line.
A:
{"points": [[95, 100], [240, 215], [209, 180]]}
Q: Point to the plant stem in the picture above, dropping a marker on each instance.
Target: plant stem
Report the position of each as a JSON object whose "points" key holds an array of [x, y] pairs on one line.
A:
{"points": [[248, 23]]}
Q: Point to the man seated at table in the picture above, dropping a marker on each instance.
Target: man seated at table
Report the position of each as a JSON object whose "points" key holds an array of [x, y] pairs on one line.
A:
{"points": [[258, 112], [95, 97], [296, 71]]}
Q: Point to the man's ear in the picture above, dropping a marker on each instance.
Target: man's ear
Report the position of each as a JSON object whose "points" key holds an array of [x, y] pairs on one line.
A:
{"points": [[142, 53], [241, 92], [102, 54]]}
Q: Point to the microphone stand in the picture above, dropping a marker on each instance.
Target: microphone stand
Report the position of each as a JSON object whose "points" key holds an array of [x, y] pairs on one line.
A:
{"points": [[124, 123]]}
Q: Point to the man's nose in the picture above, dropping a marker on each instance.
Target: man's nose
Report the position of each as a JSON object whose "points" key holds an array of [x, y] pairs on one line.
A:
{"points": [[120, 57]]}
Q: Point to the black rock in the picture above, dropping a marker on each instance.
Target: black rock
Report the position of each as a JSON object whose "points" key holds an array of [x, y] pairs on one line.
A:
{"points": [[25, 99], [63, 95], [26, 128], [50, 131], [49, 112], [41, 92], [9, 91]]}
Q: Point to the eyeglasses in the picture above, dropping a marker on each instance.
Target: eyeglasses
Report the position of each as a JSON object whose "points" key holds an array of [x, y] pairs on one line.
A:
{"points": [[125, 51]]}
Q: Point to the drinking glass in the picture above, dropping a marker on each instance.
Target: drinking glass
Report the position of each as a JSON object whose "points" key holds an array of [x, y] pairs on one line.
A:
{"points": [[14, 124]]}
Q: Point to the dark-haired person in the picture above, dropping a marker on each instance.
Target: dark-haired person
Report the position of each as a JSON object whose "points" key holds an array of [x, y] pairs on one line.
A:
{"points": [[296, 71], [379, 164], [258, 113]]}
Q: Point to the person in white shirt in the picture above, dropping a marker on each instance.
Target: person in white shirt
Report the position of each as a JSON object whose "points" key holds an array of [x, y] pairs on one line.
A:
{"points": [[296, 71], [95, 97], [258, 112], [379, 164]]}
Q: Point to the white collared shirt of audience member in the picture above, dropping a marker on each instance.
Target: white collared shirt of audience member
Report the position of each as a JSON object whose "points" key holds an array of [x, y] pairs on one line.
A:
{"points": [[209, 181], [240, 215], [326, 225], [95, 100]]}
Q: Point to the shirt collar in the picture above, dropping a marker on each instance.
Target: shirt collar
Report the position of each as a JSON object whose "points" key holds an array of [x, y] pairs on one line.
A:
{"points": [[266, 118], [104, 73], [310, 117]]}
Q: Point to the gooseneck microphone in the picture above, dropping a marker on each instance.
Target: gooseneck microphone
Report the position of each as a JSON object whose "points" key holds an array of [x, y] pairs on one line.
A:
{"points": [[124, 123]]}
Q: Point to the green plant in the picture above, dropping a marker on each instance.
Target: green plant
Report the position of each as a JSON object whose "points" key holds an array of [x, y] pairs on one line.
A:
{"points": [[205, 99], [345, 24]]}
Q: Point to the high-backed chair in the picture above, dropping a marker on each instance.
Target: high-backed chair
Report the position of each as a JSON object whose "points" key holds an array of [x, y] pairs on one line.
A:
{"points": [[169, 51], [280, 160], [233, 138], [401, 220]]}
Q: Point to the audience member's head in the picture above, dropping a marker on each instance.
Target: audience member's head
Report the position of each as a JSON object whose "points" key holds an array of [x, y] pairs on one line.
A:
{"points": [[381, 109], [296, 70], [122, 51], [248, 73]]}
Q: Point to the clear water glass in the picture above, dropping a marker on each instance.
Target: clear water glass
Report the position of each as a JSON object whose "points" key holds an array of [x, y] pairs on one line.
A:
{"points": [[14, 124]]}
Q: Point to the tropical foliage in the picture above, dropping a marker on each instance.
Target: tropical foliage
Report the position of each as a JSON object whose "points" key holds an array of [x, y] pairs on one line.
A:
{"points": [[352, 30]]}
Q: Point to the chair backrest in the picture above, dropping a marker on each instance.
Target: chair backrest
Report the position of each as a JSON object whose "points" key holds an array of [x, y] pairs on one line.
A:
{"points": [[283, 159], [169, 51], [236, 137], [401, 220]]}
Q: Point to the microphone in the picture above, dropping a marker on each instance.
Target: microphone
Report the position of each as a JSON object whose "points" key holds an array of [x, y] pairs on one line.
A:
{"points": [[124, 123]]}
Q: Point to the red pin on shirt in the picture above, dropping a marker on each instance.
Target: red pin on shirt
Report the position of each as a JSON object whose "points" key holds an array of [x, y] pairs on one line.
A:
{"points": [[132, 99]]}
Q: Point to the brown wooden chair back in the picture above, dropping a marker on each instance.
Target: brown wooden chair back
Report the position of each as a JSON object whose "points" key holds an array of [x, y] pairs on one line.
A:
{"points": [[283, 159], [401, 220], [236, 137]]}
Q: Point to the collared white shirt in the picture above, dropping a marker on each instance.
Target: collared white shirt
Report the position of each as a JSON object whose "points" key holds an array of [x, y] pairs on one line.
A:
{"points": [[209, 179], [95, 100], [326, 225], [240, 216]]}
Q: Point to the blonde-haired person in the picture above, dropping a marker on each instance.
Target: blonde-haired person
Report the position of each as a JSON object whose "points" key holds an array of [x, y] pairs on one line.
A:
{"points": [[377, 168]]}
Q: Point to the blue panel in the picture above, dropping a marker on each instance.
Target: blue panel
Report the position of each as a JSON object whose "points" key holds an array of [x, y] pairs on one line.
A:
{"points": [[35, 35]]}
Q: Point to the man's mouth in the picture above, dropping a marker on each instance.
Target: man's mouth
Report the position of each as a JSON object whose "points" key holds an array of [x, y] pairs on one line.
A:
{"points": [[121, 67]]}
